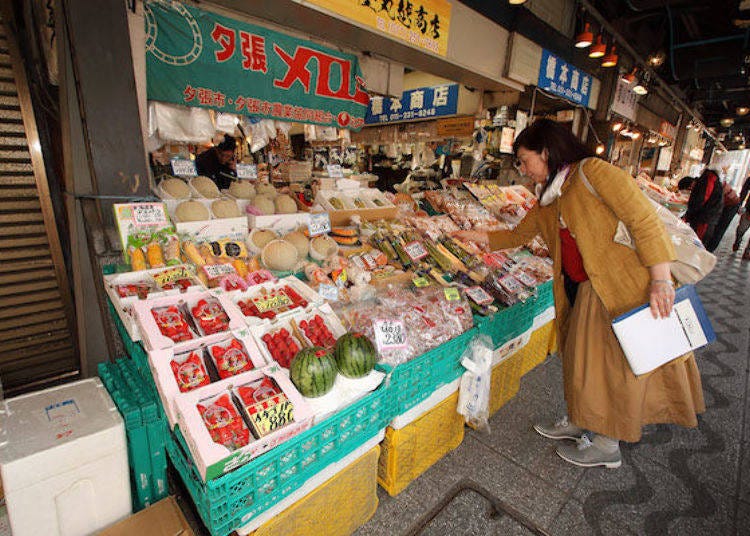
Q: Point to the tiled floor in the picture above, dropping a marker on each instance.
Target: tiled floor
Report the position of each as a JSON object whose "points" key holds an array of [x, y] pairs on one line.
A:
{"points": [[675, 481]]}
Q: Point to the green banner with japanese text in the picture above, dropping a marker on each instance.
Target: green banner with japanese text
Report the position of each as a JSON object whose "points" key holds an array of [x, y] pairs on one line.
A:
{"points": [[199, 58]]}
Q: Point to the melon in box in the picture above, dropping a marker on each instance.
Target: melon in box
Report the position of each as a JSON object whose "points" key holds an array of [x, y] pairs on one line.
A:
{"points": [[201, 363], [126, 288], [174, 321], [224, 428]]}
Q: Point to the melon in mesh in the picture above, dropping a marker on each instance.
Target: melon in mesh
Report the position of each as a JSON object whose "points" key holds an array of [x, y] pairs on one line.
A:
{"points": [[175, 188], [206, 187], [264, 204], [285, 205], [225, 208], [191, 211], [279, 255], [242, 190]]}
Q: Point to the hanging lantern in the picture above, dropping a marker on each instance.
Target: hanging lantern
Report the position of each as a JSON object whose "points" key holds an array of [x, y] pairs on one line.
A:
{"points": [[599, 49], [585, 38], [610, 60]]}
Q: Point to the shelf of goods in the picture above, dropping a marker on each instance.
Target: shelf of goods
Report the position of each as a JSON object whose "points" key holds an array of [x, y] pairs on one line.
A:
{"points": [[412, 411]]}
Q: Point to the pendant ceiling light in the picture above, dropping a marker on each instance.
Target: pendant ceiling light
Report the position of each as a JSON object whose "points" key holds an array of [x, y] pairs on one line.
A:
{"points": [[599, 49], [727, 122], [610, 60], [640, 88], [742, 110], [516, 2], [629, 78], [585, 38]]}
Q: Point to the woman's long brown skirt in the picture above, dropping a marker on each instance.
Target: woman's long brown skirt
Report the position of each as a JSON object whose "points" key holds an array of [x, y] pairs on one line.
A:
{"points": [[603, 394]]}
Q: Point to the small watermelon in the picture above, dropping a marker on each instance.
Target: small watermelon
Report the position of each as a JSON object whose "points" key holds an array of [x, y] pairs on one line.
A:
{"points": [[355, 355], [313, 371]]}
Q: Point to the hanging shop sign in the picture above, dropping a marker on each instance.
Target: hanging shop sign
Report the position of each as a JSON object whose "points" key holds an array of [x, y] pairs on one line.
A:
{"points": [[414, 104], [423, 24], [561, 78], [456, 127], [625, 102], [668, 130], [198, 58]]}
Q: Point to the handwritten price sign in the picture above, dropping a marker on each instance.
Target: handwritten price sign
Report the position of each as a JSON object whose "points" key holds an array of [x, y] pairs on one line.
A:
{"points": [[247, 171], [149, 214], [389, 334], [268, 416], [183, 168], [335, 171], [329, 292], [415, 250], [214, 271], [319, 224]]}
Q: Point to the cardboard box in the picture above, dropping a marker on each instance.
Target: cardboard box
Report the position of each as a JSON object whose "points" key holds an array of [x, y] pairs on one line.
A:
{"points": [[161, 519]]}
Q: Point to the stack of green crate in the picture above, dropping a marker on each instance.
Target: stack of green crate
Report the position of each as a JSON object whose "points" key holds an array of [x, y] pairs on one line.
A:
{"points": [[146, 430]]}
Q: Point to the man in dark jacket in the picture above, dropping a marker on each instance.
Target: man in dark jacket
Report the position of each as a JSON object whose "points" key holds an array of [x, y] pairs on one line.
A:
{"points": [[217, 163], [744, 220], [704, 205]]}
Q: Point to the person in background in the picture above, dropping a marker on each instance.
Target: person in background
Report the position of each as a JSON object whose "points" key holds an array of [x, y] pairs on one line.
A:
{"points": [[731, 204], [582, 200], [744, 224], [686, 184], [704, 205], [218, 163]]}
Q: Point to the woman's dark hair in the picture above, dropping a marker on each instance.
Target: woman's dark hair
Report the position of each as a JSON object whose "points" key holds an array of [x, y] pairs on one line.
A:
{"points": [[562, 146], [685, 183]]}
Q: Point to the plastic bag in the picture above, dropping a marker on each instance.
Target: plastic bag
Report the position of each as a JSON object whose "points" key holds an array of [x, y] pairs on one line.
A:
{"points": [[474, 393]]}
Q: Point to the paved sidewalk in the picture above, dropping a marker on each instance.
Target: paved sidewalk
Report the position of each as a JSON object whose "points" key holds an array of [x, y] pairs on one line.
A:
{"points": [[675, 481]]}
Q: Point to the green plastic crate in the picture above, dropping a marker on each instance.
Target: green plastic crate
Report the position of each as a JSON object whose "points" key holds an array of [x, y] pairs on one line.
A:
{"points": [[508, 323], [414, 381], [545, 298], [234, 499]]}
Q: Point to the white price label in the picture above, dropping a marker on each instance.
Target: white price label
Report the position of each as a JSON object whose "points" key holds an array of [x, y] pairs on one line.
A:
{"points": [[415, 250], [247, 171], [389, 334], [183, 168], [319, 224], [335, 171], [149, 214], [510, 283], [214, 271], [526, 279], [329, 292], [479, 295]]}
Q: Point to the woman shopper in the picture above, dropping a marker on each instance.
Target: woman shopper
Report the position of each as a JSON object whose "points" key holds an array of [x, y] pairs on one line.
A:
{"points": [[596, 279], [730, 206], [704, 205]]}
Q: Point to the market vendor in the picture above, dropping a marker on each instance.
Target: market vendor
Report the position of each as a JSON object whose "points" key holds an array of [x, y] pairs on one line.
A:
{"points": [[218, 163], [582, 202]]}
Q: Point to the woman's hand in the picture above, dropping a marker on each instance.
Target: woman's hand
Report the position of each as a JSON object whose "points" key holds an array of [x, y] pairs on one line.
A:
{"points": [[480, 237], [661, 297]]}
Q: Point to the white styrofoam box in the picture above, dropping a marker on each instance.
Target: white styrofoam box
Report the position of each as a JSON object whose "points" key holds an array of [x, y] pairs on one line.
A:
{"points": [[308, 294], [325, 311], [212, 459], [210, 230], [371, 194], [345, 391], [161, 369], [323, 198], [64, 461], [311, 484], [124, 306], [153, 339], [281, 223]]}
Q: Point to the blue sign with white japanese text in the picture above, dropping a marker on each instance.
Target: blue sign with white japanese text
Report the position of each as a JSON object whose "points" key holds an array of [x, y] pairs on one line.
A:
{"points": [[561, 78], [414, 104]]}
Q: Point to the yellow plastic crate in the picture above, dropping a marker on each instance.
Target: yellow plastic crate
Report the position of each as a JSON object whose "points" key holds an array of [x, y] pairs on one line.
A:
{"points": [[410, 451], [353, 491], [505, 381], [538, 347]]}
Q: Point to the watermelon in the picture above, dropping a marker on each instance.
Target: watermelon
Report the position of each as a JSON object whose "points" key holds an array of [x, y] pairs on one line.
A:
{"points": [[355, 355], [313, 371]]}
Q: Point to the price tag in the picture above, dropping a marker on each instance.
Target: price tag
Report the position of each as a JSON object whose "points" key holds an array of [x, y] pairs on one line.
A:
{"points": [[479, 295], [415, 250], [271, 414], [510, 283], [526, 279], [247, 171], [183, 168], [272, 302], [329, 292], [215, 271], [420, 282], [320, 223], [495, 260], [452, 294], [389, 334], [171, 275], [335, 171], [149, 214]]}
